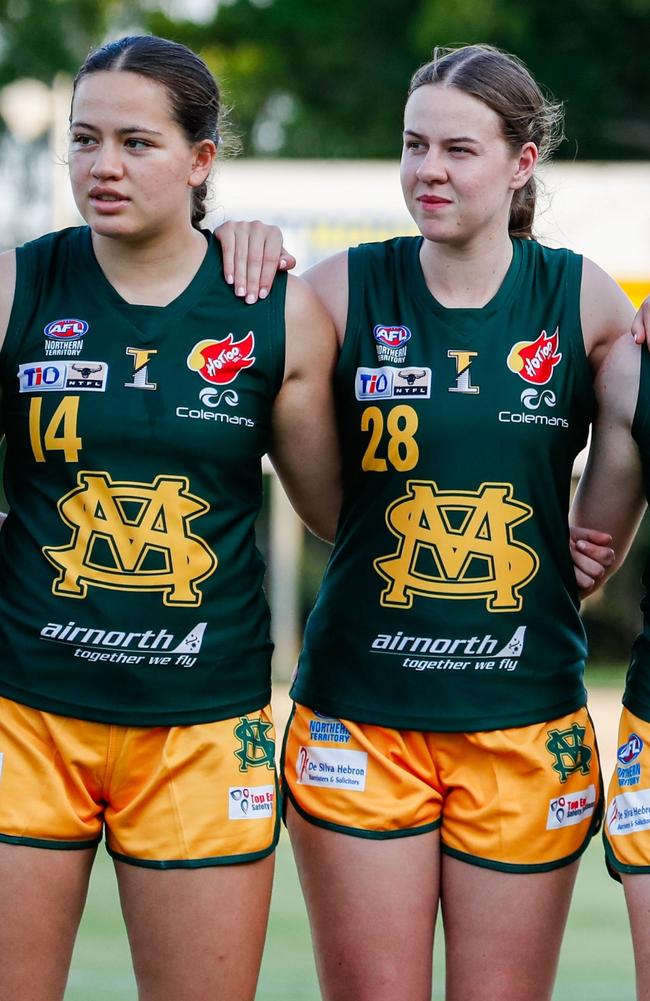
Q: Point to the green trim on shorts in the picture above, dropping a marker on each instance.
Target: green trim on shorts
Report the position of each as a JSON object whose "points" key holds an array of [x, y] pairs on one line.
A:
{"points": [[615, 868], [205, 863], [63, 846], [513, 867], [357, 832], [484, 863], [202, 863]]}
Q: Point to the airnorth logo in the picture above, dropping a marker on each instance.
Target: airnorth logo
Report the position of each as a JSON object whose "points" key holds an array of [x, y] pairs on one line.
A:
{"points": [[534, 361], [457, 544], [132, 537], [220, 362]]}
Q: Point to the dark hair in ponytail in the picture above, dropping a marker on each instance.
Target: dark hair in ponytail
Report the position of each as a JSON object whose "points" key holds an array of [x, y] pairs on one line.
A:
{"points": [[193, 92]]}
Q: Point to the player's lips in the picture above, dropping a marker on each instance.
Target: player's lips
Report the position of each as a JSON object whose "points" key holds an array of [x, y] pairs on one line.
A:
{"points": [[431, 201], [106, 199]]}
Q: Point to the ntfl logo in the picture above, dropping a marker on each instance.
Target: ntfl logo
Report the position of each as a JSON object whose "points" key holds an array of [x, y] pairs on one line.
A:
{"points": [[534, 361], [220, 362]]}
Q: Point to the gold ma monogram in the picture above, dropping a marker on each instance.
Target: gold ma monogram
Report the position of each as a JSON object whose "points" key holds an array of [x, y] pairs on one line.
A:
{"points": [[132, 536], [457, 544]]}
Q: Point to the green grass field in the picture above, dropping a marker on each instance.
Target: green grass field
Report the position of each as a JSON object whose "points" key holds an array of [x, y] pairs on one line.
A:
{"points": [[596, 958]]}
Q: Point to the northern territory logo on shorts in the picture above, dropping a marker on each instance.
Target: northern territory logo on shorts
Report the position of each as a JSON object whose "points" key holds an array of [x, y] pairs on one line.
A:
{"points": [[250, 802], [565, 811], [60, 376], [534, 361], [628, 769], [332, 768], [328, 730], [65, 337], [391, 342]]}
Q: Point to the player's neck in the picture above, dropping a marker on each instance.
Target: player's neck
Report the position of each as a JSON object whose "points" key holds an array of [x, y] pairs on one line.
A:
{"points": [[150, 273], [466, 276]]}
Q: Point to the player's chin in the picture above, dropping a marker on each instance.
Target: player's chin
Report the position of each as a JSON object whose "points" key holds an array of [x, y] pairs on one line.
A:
{"points": [[113, 226]]}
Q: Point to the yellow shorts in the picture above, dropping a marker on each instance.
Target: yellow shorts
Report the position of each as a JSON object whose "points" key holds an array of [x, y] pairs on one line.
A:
{"points": [[520, 800], [627, 827], [167, 797]]}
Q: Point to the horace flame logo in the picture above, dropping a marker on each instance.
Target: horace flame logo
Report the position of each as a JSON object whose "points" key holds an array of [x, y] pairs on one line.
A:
{"points": [[534, 361], [220, 362]]}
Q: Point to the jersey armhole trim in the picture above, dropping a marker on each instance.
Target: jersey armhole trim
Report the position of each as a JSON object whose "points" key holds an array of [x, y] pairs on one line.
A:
{"points": [[356, 284], [23, 285], [278, 322]]}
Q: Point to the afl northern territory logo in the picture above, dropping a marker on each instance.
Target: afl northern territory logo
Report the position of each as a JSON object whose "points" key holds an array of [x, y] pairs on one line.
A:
{"points": [[534, 361], [391, 342], [220, 362], [64, 337]]}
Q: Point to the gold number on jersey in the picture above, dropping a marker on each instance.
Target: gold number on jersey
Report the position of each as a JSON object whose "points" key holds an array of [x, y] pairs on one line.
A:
{"points": [[61, 431], [402, 449]]}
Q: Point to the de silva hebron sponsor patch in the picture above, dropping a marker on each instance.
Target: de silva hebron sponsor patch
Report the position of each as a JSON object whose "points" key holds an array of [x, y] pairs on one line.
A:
{"points": [[629, 812], [570, 809], [334, 768]]}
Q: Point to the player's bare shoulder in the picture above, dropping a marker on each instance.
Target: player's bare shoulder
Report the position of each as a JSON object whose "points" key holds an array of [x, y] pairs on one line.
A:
{"points": [[7, 288], [605, 312], [329, 279]]}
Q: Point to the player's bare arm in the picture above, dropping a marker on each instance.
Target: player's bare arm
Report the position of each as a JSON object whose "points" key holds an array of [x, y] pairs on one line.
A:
{"points": [[7, 288], [305, 448], [610, 493], [606, 312]]}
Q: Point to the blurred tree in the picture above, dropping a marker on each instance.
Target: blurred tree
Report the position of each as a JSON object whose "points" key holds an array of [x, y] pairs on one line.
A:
{"points": [[329, 79], [39, 38]]}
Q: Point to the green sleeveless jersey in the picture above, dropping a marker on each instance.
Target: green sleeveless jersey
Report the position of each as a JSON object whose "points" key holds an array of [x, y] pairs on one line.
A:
{"points": [[637, 686], [130, 584], [449, 602]]}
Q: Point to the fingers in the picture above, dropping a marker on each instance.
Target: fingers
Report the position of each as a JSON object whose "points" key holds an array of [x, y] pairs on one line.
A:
{"points": [[641, 324], [252, 255], [590, 559], [586, 584], [226, 234], [589, 535], [287, 261]]}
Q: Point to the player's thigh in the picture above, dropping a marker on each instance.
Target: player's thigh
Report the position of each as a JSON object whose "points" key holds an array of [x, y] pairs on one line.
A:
{"points": [[503, 930], [196, 933], [637, 896], [41, 901], [372, 906]]}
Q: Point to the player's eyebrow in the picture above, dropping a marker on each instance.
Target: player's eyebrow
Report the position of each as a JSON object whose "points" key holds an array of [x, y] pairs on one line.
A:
{"points": [[123, 131]]}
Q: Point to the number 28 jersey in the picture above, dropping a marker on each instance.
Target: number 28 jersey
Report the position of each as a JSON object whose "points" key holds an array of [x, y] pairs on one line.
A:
{"points": [[449, 602]]}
